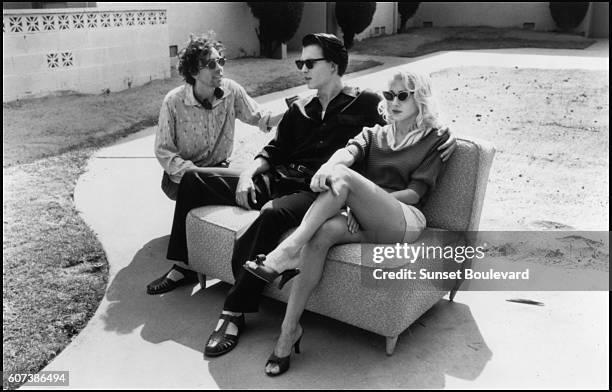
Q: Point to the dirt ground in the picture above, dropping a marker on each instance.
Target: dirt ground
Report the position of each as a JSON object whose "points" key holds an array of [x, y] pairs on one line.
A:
{"points": [[551, 131]]}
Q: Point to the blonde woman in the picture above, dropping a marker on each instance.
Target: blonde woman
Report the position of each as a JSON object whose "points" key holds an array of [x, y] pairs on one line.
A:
{"points": [[402, 163]]}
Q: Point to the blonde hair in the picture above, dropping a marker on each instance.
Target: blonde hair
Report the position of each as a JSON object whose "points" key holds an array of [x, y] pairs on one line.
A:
{"points": [[420, 85]]}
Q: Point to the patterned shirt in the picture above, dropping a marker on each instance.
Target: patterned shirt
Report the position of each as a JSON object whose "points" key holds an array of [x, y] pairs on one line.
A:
{"points": [[190, 136], [415, 167]]}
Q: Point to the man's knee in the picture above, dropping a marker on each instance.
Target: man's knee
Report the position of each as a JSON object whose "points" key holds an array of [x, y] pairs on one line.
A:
{"points": [[193, 189], [266, 206], [189, 177], [186, 184], [270, 215], [290, 211]]}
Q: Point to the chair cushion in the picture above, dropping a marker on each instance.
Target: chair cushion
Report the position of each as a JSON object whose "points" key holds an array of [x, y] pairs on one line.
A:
{"points": [[341, 294]]}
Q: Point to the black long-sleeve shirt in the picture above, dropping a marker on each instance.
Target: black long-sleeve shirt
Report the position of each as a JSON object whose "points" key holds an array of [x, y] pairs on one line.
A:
{"points": [[304, 138]]}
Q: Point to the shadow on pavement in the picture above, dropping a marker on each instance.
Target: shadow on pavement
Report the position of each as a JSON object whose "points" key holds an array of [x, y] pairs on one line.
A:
{"points": [[445, 341], [184, 315]]}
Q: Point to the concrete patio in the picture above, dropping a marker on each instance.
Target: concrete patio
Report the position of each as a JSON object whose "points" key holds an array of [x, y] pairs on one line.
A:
{"points": [[156, 342]]}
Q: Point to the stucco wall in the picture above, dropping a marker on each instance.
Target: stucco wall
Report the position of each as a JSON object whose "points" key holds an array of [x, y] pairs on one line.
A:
{"points": [[382, 22], [231, 21], [82, 49], [600, 23], [313, 21], [320, 17], [495, 14]]}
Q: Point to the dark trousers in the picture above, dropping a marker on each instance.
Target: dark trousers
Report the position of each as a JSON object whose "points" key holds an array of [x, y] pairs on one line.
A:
{"points": [[218, 187], [169, 187], [261, 238]]}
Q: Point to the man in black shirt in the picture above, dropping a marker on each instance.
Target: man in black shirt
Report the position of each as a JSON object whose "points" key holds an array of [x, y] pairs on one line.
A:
{"points": [[277, 182]]}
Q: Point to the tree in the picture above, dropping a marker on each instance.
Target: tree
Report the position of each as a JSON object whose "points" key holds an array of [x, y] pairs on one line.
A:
{"points": [[278, 22], [568, 15], [353, 18], [406, 9]]}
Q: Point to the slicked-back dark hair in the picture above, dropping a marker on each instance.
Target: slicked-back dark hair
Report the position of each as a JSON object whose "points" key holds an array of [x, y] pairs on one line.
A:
{"points": [[333, 49], [195, 53]]}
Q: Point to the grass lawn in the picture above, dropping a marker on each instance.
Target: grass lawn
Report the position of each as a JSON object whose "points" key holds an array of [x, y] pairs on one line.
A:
{"points": [[420, 41], [49, 126], [54, 268]]}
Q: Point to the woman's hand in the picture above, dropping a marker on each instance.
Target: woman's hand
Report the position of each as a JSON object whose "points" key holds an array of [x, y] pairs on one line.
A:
{"points": [[245, 188], [351, 222], [449, 146], [321, 179]]}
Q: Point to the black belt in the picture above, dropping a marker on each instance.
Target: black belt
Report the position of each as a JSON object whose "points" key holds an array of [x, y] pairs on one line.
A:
{"points": [[302, 169]]}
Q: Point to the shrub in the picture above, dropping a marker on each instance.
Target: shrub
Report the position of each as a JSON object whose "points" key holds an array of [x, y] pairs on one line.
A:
{"points": [[406, 9], [278, 22], [568, 15], [353, 18]]}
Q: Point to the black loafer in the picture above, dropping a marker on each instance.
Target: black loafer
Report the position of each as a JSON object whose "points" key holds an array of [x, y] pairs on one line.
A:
{"points": [[219, 342], [163, 284]]}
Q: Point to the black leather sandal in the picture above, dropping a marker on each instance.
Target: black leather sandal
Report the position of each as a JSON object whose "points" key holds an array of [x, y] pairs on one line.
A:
{"points": [[268, 275], [219, 342], [163, 284], [283, 362]]}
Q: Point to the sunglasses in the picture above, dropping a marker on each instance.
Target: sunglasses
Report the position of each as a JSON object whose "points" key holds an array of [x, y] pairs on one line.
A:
{"points": [[309, 63], [212, 64], [402, 95]]}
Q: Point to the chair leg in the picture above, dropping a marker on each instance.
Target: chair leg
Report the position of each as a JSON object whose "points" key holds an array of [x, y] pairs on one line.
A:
{"points": [[454, 290], [391, 342], [451, 296], [202, 280]]}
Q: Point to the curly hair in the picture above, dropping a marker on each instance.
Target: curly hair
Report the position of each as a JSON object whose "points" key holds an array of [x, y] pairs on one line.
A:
{"points": [[195, 54], [420, 85]]}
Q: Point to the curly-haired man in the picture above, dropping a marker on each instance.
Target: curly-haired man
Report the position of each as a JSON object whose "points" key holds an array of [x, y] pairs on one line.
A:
{"points": [[196, 126]]}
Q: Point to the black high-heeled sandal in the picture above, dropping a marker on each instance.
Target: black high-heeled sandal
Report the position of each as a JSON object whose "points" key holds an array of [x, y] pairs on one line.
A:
{"points": [[268, 275], [283, 362]]}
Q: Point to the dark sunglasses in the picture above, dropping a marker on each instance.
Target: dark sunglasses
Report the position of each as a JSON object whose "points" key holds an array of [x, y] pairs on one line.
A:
{"points": [[402, 95], [309, 63], [212, 64]]}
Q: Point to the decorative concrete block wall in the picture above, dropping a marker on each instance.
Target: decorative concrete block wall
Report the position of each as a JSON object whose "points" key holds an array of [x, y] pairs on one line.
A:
{"points": [[233, 23], [82, 49]]}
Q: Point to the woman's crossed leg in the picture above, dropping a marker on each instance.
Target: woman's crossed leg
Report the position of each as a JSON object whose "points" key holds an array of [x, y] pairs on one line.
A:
{"points": [[379, 214], [381, 219]]}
